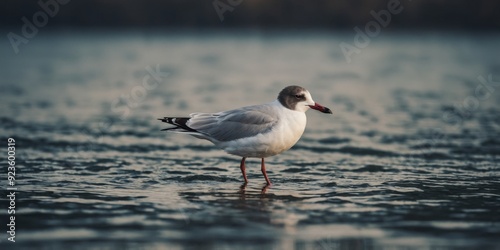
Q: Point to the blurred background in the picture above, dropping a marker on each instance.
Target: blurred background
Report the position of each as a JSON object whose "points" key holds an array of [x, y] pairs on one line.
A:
{"points": [[409, 159], [259, 14]]}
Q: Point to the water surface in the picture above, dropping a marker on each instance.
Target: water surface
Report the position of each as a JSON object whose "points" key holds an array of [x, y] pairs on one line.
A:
{"points": [[395, 166]]}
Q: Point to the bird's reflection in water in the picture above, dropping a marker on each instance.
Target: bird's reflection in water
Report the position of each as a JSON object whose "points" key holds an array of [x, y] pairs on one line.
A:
{"points": [[265, 188], [243, 187]]}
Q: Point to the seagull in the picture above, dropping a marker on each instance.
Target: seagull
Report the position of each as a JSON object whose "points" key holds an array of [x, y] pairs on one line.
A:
{"points": [[257, 131]]}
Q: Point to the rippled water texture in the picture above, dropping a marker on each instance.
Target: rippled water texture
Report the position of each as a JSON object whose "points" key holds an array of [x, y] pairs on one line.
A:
{"points": [[395, 166]]}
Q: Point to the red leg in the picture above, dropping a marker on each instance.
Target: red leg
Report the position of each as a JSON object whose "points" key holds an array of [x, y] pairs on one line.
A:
{"points": [[263, 169], [242, 167]]}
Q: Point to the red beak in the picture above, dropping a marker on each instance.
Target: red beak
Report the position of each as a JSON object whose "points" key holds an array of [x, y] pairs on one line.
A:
{"points": [[321, 108]]}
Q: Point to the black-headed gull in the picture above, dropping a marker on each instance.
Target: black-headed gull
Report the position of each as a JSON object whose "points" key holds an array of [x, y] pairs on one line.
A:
{"points": [[255, 131]]}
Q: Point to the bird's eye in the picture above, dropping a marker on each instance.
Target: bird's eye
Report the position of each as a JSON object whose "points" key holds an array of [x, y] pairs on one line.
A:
{"points": [[299, 96]]}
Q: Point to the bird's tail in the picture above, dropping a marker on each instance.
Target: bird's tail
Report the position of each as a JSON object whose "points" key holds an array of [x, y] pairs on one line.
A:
{"points": [[179, 124]]}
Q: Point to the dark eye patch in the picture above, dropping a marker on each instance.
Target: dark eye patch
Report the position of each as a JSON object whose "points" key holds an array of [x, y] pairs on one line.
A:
{"points": [[299, 96]]}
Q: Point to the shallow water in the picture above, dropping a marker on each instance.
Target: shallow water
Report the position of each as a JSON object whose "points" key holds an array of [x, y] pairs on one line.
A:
{"points": [[393, 167]]}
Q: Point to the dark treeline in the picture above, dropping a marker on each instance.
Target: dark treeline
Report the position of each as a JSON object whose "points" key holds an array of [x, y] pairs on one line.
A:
{"points": [[420, 14]]}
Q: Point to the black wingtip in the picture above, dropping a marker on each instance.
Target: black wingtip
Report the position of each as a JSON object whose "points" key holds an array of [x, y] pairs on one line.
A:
{"points": [[178, 122]]}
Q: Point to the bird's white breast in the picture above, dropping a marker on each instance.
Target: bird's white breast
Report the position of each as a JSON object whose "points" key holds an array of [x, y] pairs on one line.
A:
{"points": [[283, 136]]}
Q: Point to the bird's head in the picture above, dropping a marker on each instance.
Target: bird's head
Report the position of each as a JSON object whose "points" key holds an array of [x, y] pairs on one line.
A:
{"points": [[299, 99]]}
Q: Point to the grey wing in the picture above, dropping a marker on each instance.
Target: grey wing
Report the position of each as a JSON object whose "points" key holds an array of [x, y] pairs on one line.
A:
{"points": [[233, 124]]}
